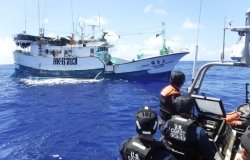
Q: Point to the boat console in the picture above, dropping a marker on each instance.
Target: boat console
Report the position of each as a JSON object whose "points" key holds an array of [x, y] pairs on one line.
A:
{"points": [[211, 115]]}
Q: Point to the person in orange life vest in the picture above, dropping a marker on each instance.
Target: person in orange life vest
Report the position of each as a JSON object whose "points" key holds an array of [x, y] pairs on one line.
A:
{"points": [[168, 98]]}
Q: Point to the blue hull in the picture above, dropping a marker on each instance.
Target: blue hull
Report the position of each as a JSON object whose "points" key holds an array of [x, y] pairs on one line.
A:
{"points": [[139, 76], [24, 71]]}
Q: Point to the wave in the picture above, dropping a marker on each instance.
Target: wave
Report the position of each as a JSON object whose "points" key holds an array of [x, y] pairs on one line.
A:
{"points": [[36, 81]]}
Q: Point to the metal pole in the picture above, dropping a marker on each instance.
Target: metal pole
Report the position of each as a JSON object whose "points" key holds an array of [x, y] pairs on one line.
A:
{"points": [[247, 92], [197, 46]]}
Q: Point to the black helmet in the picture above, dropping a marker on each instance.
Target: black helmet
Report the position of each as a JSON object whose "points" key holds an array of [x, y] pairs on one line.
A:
{"points": [[184, 104], [146, 121], [177, 78]]}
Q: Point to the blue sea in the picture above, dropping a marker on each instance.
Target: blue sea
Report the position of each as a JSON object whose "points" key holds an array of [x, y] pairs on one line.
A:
{"points": [[74, 119]]}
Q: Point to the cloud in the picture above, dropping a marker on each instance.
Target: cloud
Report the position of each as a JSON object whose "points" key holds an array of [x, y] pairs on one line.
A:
{"points": [[7, 46], [46, 21], [126, 51], [148, 8], [175, 43], [152, 46], [160, 12], [188, 24], [149, 47], [95, 20], [153, 42], [111, 37], [151, 9]]}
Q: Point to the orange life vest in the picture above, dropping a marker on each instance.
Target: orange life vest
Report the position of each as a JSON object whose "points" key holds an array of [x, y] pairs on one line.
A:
{"points": [[167, 108], [170, 90]]}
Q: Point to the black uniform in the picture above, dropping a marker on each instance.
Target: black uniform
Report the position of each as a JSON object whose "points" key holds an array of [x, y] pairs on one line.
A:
{"points": [[141, 149], [186, 136]]}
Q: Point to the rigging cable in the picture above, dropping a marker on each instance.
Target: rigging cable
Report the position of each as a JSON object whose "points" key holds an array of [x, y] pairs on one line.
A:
{"points": [[140, 31]]}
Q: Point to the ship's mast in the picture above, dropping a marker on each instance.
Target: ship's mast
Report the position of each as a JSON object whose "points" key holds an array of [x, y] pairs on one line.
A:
{"points": [[81, 24], [41, 30], [93, 31], [72, 17], [25, 15], [163, 35]]}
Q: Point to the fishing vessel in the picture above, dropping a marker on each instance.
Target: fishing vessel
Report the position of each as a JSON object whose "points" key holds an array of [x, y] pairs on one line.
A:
{"points": [[210, 112], [67, 57]]}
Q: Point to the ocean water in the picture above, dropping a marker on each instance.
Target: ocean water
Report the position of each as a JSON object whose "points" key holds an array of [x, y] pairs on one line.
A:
{"points": [[73, 119]]}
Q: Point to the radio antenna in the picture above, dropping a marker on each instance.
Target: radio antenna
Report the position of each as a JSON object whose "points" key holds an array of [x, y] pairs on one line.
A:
{"points": [[197, 46], [72, 17]]}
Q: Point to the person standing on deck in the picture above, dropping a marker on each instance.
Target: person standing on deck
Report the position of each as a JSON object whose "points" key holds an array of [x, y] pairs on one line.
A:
{"points": [[168, 97]]}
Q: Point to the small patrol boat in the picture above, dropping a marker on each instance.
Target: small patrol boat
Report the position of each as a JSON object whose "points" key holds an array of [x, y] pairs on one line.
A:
{"points": [[210, 111]]}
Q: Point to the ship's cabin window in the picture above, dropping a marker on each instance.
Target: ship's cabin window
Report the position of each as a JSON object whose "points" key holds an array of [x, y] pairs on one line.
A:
{"points": [[102, 48], [92, 50]]}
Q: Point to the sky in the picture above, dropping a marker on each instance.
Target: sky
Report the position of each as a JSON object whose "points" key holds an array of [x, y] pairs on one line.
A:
{"points": [[132, 25]]}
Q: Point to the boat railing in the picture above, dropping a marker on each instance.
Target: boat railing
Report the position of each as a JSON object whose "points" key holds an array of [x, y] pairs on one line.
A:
{"points": [[196, 84]]}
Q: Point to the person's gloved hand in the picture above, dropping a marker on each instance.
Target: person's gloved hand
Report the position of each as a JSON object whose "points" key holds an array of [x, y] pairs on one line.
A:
{"points": [[237, 123]]}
